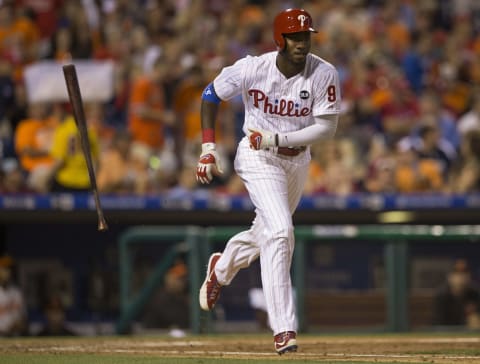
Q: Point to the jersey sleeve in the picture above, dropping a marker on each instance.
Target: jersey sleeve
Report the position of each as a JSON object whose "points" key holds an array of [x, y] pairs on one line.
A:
{"points": [[327, 96], [228, 83]]}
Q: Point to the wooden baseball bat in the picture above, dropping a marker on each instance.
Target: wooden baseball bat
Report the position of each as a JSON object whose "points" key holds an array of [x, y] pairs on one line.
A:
{"points": [[75, 97]]}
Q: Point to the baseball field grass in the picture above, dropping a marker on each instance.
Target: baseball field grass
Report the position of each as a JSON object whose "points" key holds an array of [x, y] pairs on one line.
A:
{"points": [[441, 348]]}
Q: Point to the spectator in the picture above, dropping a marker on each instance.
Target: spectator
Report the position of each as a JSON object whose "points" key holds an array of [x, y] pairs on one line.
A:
{"points": [[396, 103], [18, 37], [433, 146], [381, 178], [144, 52], [415, 175], [430, 145], [7, 103], [148, 115], [55, 319], [187, 106], [62, 43], [457, 89], [33, 140], [362, 114], [75, 18], [120, 171], [333, 170], [170, 305], [12, 304], [459, 300], [95, 115], [465, 177], [432, 109], [45, 15], [113, 45], [471, 119], [116, 109], [413, 61], [69, 171], [185, 185], [12, 179], [19, 108], [187, 109]]}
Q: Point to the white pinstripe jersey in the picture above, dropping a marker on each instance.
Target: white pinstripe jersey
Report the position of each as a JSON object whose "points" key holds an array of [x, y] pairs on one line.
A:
{"points": [[275, 103]]}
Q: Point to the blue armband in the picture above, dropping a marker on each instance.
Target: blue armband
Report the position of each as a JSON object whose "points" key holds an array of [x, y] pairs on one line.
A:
{"points": [[210, 95]]}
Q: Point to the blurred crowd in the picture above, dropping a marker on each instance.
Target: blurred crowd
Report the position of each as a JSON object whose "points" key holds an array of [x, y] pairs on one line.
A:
{"points": [[410, 74]]}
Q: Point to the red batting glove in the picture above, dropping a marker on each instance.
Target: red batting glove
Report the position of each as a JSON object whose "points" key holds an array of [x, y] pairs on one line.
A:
{"points": [[261, 139], [208, 164]]}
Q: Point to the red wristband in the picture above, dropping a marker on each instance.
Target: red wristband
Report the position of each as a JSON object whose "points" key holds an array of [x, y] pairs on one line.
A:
{"points": [[208, 135]]}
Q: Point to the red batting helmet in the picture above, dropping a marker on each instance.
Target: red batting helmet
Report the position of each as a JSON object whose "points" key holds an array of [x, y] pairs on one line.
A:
{"points": [[291, 21]]}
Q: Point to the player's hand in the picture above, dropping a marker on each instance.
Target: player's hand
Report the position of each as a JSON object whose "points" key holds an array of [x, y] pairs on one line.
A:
{"points": [[208, 164], [261, 139]]}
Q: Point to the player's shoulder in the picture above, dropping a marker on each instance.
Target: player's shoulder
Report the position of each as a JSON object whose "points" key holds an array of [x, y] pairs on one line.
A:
{"points": [[265, 58], [318, 65]]}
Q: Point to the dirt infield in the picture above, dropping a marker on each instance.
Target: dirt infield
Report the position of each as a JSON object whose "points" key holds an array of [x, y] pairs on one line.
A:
{"points": [[453, 348]]}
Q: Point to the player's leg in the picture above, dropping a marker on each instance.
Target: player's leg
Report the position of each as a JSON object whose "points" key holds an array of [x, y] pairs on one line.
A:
{"points": [[275, 213], [282, 310], [266, 180], [243, 248], [240, 251], [296, 177]]}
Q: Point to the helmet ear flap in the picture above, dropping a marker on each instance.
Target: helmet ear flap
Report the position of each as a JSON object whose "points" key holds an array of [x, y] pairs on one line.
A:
{"points": [[280, 42]]}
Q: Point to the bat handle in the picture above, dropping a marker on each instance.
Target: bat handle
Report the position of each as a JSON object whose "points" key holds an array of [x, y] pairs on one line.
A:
{"points": [[102, 224]]}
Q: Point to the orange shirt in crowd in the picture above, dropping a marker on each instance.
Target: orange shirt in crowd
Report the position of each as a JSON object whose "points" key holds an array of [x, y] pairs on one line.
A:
{"points": [[36, 135], [47, 14], [188, 100], [426, 177], [399, 36], [145, 93], [18, 42], [187, 106]]}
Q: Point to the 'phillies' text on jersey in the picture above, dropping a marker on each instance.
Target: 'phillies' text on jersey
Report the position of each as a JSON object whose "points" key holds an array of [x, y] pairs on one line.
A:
{"points": [[281, 107]]}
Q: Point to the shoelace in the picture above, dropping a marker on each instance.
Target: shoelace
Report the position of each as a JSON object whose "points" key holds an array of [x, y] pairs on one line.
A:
{"points": [[215, 290]]}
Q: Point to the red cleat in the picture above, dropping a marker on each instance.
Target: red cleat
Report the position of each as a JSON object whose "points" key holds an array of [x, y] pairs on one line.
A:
{"points": [[210, 290], [285, 342]]}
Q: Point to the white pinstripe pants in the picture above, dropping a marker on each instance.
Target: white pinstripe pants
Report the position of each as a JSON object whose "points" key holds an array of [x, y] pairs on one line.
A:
{"points": [[275, 184]]}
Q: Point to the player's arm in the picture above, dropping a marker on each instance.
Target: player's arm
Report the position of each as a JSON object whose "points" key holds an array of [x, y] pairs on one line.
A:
{"points": [[324, 127], [209, 162], [326, 108], [229, 84]]}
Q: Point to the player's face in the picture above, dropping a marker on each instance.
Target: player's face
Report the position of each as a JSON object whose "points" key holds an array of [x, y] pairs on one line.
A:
{"points": [[297, 46]]}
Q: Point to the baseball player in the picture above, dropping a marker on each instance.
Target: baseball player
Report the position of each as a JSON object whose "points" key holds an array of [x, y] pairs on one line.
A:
{"points": [[292, 100]]}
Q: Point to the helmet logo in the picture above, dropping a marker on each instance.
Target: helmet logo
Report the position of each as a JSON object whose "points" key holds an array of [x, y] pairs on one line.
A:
{"points": [[302, 19]]}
